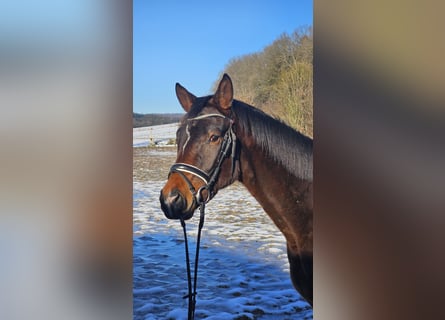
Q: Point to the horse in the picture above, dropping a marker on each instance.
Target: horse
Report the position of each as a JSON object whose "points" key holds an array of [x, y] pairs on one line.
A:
{"points": [[221, 140]]}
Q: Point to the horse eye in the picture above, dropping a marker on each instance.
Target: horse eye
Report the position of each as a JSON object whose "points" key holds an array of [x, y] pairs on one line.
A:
{"points": [[214, 138]]}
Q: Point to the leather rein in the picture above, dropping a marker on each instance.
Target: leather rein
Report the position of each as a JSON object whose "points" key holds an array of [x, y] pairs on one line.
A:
{"points": [[228, 148]]}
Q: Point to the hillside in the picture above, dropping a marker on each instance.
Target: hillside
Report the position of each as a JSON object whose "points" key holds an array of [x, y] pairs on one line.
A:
{"points": [[278, 79], [154, 119]]}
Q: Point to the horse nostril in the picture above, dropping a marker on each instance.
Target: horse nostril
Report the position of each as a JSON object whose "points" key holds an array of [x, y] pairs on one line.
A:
{"points": [[173, 197], [173, 204]]}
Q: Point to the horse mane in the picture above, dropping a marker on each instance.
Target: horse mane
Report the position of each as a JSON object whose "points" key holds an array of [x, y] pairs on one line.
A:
{"points": [[285, 145]]}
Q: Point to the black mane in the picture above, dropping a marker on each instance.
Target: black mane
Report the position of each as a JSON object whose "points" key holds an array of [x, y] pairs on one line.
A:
{"points": [[285, 145]]}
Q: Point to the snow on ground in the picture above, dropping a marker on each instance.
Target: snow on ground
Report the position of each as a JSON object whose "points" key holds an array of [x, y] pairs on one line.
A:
{"points": [[243, 268], [146, 136]]}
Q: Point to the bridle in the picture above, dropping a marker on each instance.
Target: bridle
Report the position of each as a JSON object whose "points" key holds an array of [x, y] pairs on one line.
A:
{"points": [[228, 148]]}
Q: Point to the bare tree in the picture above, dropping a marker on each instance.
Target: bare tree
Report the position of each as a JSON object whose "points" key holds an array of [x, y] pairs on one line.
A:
{"points": [[278, 79]]}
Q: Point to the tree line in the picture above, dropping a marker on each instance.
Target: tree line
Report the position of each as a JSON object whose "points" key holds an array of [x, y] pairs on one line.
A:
{"points": [[278, 79], [153, 119]]}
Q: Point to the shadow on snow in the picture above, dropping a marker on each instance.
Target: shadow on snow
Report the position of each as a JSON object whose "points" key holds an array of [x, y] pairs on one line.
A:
{"points": [[230, 285]]}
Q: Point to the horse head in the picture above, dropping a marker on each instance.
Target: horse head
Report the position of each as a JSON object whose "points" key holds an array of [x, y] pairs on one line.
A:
{"points": [[206, 155]]}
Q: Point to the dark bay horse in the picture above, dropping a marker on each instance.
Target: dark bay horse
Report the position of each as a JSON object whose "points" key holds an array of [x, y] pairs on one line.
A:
{"points": [[221, 140]]}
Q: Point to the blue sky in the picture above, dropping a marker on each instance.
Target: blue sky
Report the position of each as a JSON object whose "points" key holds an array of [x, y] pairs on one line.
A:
{"points": [[190, 42]]}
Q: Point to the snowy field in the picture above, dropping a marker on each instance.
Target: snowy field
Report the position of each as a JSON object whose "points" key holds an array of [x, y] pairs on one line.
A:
{"points": [[243, 268], [155, 135]]}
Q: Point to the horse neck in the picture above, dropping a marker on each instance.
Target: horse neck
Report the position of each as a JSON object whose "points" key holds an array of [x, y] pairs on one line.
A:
{"points": [[263, 176], [286, 198]]}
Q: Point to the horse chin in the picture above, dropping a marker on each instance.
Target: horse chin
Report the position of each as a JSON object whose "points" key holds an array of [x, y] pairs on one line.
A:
{"points": [[183, 215], [176, 215], [188, 214]]}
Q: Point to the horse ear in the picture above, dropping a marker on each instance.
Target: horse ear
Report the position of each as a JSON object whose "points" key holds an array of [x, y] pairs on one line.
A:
{"points": [[224, 94], [185, 98]]}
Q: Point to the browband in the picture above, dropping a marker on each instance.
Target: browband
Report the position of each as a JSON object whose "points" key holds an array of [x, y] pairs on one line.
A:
{"points": [[208, 115]]}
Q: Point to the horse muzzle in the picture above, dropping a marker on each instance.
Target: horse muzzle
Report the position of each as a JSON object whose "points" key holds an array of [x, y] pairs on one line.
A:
{"points": [[174, 205]]}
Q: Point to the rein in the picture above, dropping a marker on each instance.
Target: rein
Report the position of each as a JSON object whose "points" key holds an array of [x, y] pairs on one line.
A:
{"points": [[228, 147], [192, 290]]}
